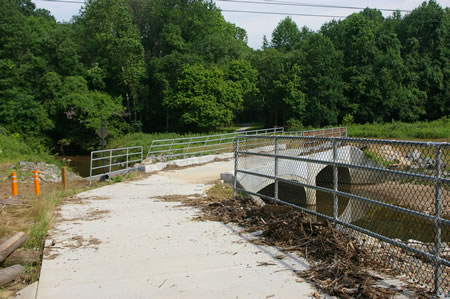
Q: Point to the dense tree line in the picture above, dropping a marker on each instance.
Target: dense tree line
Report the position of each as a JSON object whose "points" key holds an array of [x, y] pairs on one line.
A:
{"points": [[177, 65]]}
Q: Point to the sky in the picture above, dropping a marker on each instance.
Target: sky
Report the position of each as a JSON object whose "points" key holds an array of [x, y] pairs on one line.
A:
{"points": [[257, 25]]}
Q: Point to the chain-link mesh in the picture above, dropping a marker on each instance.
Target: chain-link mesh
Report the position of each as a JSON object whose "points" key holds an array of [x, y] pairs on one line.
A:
{"points": [[392, 196]]}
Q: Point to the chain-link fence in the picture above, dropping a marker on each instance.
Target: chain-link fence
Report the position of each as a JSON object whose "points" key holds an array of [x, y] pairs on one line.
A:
{"points": [[392, 196]]}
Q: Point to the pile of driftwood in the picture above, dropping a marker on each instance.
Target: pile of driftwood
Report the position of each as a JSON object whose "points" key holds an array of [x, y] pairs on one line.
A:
{"points": [[339, 266], [13, 258]]}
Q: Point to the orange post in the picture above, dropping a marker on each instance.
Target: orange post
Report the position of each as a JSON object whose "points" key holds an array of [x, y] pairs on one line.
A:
{"points": [[37, 189], [15, 191]]}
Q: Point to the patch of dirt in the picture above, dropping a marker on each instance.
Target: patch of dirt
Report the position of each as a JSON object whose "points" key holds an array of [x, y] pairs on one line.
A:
{"points": [[90, 216], [339, 266], [79, 242]]}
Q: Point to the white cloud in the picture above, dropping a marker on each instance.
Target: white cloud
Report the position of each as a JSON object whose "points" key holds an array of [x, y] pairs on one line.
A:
{"points": [[257, 25]]}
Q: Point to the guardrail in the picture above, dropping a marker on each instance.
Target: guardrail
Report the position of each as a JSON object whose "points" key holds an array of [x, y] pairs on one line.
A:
{"points": [[112, 161], [167, 149], [392, 196]]}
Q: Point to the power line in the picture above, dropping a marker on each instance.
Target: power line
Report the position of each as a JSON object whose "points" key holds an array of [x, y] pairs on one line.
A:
{"points": [[63, 1], [278, 2], [235, 11], [282, 13], [271, 2]]}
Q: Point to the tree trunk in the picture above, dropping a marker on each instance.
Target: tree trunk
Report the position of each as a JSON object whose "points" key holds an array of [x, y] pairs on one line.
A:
{"points": [[9, 274], [10, 243], [128, 107]]}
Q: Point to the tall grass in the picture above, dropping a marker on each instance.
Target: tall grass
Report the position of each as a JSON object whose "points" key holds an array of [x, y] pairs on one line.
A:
{"points": [[13, 149], [437, 129], [145, 139]]}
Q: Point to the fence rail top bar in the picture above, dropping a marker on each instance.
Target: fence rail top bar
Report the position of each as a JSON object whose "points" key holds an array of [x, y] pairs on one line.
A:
{"points": [[116, 149], [382, 141], [218, 135]]}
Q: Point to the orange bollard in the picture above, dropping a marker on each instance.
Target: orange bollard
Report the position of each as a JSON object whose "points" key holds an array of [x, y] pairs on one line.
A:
{"points": [[37, 189], [15, 191]]}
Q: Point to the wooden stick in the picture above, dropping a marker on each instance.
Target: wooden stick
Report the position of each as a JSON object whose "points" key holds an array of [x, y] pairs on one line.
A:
{"points": [[64, 177]]}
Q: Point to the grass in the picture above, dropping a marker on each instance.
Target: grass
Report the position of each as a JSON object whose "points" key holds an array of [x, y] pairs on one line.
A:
{"points": [[146, 139], [424, 130]]}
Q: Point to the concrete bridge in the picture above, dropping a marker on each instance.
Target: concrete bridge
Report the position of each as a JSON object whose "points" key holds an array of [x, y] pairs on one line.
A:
{"points": [[309, 173]]}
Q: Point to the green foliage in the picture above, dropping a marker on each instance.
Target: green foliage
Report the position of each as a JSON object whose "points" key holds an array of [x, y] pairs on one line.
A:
{"points": [[294, 125], [436, 129], [203, 98], [286, 35], [13, 149], [347, 120]]}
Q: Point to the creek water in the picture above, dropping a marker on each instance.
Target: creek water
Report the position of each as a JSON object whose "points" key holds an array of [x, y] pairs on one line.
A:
{"points": [[79, 164], [384, 221]]}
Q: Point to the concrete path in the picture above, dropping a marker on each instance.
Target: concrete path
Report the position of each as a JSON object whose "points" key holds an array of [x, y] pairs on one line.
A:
{"points": [[119, 241]]}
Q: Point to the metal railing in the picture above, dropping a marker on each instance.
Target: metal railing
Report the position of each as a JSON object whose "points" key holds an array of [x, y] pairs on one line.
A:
{"points": [[167, 149], [328, 132], [113, 161], [392, 196]]}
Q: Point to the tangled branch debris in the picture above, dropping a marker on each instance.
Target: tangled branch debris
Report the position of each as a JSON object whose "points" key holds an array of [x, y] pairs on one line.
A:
{"points": [[339, 266]]}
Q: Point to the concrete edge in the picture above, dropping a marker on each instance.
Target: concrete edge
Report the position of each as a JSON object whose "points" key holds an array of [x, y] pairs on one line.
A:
{"points": [[29, 292], [186, 162]]}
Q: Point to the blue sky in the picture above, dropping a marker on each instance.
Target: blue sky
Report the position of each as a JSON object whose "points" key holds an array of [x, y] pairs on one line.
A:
{"points": [[258, 25]]}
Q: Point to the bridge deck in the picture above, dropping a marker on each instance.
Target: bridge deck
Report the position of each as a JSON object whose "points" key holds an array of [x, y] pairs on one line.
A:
{"points": [[120, 242]]}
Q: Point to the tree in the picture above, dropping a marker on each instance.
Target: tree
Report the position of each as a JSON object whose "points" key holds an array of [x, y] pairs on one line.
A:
{"points": [[112, 43], [286, 35], [203, 99], [323, 83]]}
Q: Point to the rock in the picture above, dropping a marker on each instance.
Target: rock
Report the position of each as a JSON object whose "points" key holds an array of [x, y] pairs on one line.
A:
{"points": [[23, 257], [9, 274], [148, 160], [414, 155]]}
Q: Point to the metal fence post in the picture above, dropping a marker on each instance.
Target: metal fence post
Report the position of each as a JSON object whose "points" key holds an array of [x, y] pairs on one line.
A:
{"points": [[235, 167], [204, 145], [187, 148], [90, 169], [437, 223], [127, 158], [276, 169], [110, 160], [335, 183]]}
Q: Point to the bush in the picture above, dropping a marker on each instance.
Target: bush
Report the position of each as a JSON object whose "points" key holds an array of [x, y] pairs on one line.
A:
{"points": [[294, 125]]}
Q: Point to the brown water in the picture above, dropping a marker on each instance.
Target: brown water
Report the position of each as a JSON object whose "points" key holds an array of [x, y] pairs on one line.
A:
{"points": [[79, 164]]}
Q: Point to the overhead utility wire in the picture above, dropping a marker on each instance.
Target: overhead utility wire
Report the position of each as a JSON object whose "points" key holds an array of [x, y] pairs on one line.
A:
{"points": [[272, 2], [237, 11], [336, 6], [283, 13], [61, 1], [275, 2]]}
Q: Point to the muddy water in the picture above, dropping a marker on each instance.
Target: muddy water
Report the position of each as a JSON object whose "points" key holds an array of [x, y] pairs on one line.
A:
{"points": [[384, 221], [79, 164]]}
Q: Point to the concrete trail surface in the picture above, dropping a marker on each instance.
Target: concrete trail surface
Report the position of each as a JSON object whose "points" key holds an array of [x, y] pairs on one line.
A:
{"points": [[119, 241]]}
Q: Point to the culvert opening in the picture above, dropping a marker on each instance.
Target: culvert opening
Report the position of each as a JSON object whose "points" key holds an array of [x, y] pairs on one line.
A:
{"points": [[296, 194], [290, 193], [325, 199]]}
